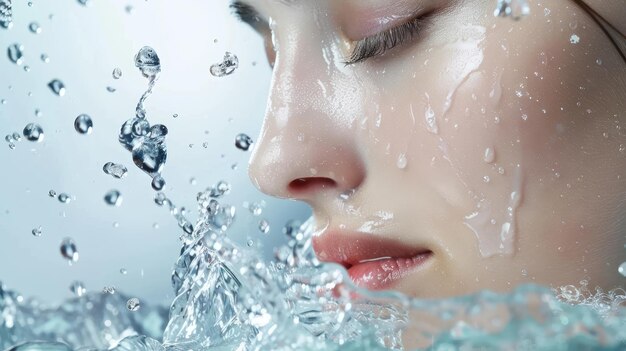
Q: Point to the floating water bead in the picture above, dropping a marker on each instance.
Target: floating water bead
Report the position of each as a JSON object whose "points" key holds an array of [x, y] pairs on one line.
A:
{"points": [[113, 198], [57, 87], [33, 132], [78, 288], [68, 250], [115, 170], [117, 73], [228, 65], [83, 124], [34, 28], [243, 142], [133, 304], [16, 53]]}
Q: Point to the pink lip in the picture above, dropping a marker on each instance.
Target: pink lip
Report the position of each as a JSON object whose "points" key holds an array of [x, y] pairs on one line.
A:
{"points": [[372, 262]]}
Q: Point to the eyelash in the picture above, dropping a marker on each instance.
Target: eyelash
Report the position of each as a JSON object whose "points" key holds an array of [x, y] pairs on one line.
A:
{"points": [[380, 43]]}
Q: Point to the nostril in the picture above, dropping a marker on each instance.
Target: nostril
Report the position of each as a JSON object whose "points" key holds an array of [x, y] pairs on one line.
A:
{"points": [[302, 185]]}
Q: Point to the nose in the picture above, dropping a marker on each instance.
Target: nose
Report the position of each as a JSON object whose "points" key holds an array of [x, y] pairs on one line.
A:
{"points": [[308, 143]]}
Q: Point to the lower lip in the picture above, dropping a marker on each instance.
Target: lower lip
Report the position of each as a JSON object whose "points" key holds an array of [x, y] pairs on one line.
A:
{"points": [[383, 274]]}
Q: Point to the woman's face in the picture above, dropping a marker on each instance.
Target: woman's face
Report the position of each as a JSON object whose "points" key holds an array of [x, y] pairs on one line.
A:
{"points": [[444, 150]]}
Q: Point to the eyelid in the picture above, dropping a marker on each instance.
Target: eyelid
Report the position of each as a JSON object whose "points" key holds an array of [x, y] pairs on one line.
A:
{"points": [[383, 41]]}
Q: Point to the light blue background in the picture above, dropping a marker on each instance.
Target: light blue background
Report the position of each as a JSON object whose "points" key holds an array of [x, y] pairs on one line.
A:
{"points": [[84, 45]]}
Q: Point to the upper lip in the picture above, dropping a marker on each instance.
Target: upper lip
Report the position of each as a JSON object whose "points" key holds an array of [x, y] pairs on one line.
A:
{"points": [[352, 248]]}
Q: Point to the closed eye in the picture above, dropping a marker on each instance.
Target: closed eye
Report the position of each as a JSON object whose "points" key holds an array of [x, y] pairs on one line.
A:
{"points": [[378, 44]]}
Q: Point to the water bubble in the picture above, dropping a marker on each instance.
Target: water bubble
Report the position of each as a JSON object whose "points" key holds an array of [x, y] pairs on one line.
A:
{"points": [[489, 156], [133, 304], [16, 53], [148, 62], [83, 124], [256, 208], [6, 14], [108, 290], [226, 67], [57, 87], [45, 58], [33, 132], [158, 183], [78, 288], [64, 198], [68, 250], [34, 27], [37, 231], [622, 269], [402, 161], [515, 9], [264, 226], [574, 39], [116, 170], [117, 73], [113, 198], [243, 142], [52, 193]]}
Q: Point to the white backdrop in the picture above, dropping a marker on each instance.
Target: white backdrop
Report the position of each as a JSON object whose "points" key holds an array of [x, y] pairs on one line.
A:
{"points": [[85, 44]]}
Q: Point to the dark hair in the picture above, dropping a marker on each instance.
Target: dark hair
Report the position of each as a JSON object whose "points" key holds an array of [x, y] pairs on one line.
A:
{"points": [[602, 22]]}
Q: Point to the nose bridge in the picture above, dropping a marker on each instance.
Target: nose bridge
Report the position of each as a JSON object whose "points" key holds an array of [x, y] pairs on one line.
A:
{"points": [[305, 133]]}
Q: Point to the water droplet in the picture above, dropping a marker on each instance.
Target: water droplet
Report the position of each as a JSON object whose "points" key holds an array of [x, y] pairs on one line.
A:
{"points": [[129, 9], [250, 243], [84, 2], [16, 136], [38, 113], [78, 288], [6, 14], [524, 272], [622, 269], [514, 9], [16, 53], [11, 146], [116, 170], [83, 124], [133, 304], [574, 39], [228, 65], [52, 193], [489, 156], [431, 120], [26, 68], [113, 198], [402, 161], [57, 87], [117, 73], [108, 290], [64, 198], [599, 62], [158, 183], [486, 179], [45, 58], [256, 208], [33, 132], [68, 250], [123, 271], [501, 170], [175, 115], [34, 28], [264, 226], [111, 89], [243, 142], [148, 62], [37, 231]]}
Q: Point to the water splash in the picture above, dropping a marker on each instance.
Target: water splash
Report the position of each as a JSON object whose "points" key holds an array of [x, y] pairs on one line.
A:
{"points": [[228, 65], [145, 142], [6, 14]]}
